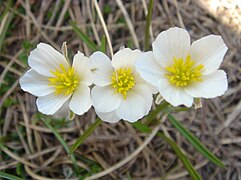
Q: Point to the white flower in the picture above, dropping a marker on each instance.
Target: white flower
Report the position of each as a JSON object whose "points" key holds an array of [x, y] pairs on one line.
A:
{"points": [[120, 93], [182, 71], [57, 84]]}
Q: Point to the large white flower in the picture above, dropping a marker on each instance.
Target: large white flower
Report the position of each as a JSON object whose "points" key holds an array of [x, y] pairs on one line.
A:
{"points": [[57, 84], [182, 71], [120, 92]]}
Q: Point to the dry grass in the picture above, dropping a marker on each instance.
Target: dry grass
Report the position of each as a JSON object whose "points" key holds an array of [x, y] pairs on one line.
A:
{"points": [[33, 150]]}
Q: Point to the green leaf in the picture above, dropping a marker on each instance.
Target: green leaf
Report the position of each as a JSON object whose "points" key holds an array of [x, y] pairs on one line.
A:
{"points": [[195, 142], [9, 176], [141, 127], [84, 37], [61, 140], [103, 44], [86, 134], [192, 172], [19, 169]]}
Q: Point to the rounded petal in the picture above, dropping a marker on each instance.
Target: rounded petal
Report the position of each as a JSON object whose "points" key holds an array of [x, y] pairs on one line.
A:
{"points": [[174, 95], [51, 103], [101, 68], [125, 58], [213, 85], [82, 68], [63, 112], [109, 117], [132, 108], [208, 51], [174, 42], [146, 93], [45, 59], [148, 68], [105, 99], [80, 101], [98, 60], [35, 83]]}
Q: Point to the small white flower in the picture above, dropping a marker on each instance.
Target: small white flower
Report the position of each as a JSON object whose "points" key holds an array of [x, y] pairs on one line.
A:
{"points": [[58, 85], [182, 71], [120, 92]]}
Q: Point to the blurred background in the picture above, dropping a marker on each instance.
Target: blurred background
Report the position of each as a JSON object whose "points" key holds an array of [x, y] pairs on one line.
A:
{"points": [[29, 149]]}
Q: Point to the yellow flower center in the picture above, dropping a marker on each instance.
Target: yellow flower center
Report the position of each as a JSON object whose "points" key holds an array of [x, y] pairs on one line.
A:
{"points": [[184, 72], [123, 81], [65, 80]]}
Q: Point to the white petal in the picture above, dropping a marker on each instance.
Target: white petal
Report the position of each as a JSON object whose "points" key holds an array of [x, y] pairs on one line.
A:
{"points": [[175, 42], [146, 93], [133, 108], [125, 58], [213, 85], [174, 95], [208, 51], [35, 83], [51, 103], [80, 101], [148, 68], [82, 68], [45, 58], [109, 117], [63, 112], [99, 60], [105, 99], [101, 68], [102, 78]]}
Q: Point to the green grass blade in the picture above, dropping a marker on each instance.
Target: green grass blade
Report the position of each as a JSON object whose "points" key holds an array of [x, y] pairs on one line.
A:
{"points": [[9, 176], [61, 140], [103, 44], [9, 17], [86, 134], [192, 172], [141, 127], [195, 142], [84, 37], [148, 24]]}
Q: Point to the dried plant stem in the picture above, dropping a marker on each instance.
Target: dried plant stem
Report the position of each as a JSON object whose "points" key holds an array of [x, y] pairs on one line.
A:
{"points": [[129, 23], [16, 157], [127, 159], [104, 26], [148, 24]]}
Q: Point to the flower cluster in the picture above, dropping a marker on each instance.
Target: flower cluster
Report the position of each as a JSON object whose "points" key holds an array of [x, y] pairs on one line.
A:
{"points": [[124, 86]]}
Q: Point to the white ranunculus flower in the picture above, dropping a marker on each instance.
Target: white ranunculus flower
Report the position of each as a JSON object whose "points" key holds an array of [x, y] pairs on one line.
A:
{"points": [[120, 92], [57, 84], [182, 71]]}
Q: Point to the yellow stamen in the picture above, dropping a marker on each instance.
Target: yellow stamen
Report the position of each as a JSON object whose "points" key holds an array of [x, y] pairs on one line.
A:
{"points": [[123, 81], [184, 72], [65, 80]]}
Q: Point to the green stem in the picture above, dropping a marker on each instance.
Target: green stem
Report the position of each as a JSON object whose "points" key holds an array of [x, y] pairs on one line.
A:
{"points": [[148, 24], [9, 176], [86, 134], [194, 141], [61, 140], [192, 172], [152, 115]]}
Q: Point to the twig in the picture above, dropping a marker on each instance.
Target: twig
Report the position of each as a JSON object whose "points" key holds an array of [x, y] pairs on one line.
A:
{"points": [[127, 159], [129, 23], [104, 26]]}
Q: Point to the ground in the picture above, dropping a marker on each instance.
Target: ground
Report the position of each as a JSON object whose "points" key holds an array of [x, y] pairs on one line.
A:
{"points": [[30, 150]]}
